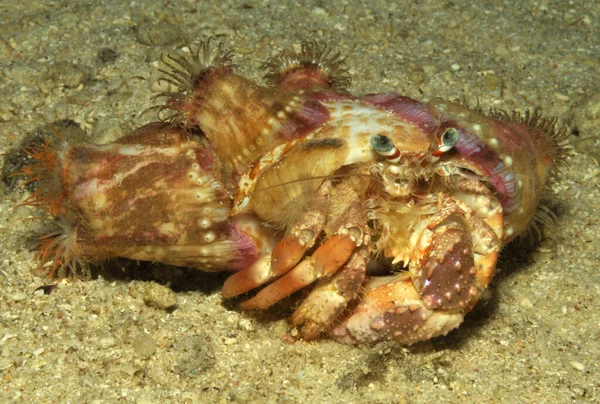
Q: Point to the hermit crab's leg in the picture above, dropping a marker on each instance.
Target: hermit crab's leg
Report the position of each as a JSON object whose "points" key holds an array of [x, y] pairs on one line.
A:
{"points": [[331, 296], [289, 250], [348, 220], [286, 253], [326, 260], [292, 247]]}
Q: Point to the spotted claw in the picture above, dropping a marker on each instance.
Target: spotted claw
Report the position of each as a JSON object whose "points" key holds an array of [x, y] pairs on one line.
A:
{"points": [[392, 309], [445, 280]]}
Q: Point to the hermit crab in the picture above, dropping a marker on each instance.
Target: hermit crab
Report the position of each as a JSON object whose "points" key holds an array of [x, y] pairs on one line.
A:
{"points": [[386, 212]]}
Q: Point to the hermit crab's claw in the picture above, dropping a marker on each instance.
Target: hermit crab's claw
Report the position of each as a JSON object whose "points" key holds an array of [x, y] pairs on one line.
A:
{"points": [[445, 280], [392, 309]]}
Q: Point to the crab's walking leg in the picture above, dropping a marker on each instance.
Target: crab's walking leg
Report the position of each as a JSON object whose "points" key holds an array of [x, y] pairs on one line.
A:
{"points": [[347, 217], [326, 260], [330, 297], [286, 253]]}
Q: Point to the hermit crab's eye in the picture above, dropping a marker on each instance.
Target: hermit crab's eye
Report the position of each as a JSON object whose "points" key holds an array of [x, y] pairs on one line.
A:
{"points": [[384, 146], [447, 141]]}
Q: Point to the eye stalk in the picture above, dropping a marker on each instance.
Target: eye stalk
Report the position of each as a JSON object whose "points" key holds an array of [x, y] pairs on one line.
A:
{"points": [[447, 141], [384, 146]]}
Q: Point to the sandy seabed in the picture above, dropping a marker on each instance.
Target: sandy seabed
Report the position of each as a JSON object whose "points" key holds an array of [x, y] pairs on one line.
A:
{"points": [[534, 338]]}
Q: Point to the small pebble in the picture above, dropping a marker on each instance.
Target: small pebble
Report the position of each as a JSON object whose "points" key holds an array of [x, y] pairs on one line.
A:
{"points": [[229, 341], [68, 74], [39, 292], [525, 302], [153, 34], [18, 297], [501, 50], [22, 73], [107, 56], [6, 50], [416, 73], [494, 83], [107, 342], [319, 11], [154, 295], [586, 119], [6, 363], [245, 324], [107, 131], [144, 345], [578, 366]]}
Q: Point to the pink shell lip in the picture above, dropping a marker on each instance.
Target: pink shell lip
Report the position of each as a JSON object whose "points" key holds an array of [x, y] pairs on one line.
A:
{"points": [[483, 160], [245, 249], [404, 108]]}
